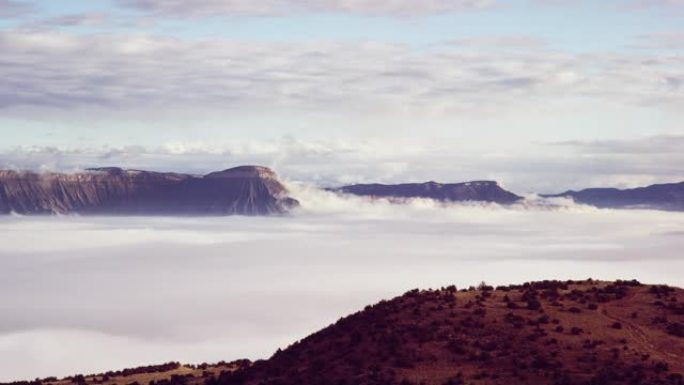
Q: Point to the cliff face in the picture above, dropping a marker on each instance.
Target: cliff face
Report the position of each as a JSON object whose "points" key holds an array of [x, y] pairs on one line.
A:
{"points": [[246, 190], [660, 196], [486, 191]]}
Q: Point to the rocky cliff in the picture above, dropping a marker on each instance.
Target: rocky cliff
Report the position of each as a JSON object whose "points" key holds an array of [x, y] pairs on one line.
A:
{"points": [[246, 190]]}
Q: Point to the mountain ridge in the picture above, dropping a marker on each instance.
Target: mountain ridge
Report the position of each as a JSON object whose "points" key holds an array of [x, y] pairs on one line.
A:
{"points": [[256, 190], [663, 196], [482, 190]]}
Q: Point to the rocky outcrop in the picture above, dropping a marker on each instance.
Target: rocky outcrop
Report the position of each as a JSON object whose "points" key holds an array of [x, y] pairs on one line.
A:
{"points": [[659, 196], [246, 190], [483, 191]]}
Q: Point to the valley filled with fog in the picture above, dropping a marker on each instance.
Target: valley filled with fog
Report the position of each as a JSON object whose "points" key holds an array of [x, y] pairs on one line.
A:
{"points": [[128, 291]]}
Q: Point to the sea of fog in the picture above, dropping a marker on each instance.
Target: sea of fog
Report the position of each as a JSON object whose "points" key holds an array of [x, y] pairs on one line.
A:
{"points": [[89, 294]]}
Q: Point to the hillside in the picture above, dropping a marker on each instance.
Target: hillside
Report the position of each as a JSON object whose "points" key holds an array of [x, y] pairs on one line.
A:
{"points": [[480, 191], [560, 333], [246, 190]]}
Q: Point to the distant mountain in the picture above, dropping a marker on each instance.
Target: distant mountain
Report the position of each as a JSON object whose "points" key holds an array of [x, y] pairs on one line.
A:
{"points": [[541, 333], [485, 191], [246, 190], [659, 196]]}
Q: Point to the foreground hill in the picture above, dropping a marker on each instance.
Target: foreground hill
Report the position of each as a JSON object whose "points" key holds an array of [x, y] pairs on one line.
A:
{"points": [[668, 196], [246, 190], [483, 191], [556, 333]]}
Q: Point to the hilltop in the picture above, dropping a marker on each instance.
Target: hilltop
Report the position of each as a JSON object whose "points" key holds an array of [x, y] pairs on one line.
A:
{"points": [[550, 332]]}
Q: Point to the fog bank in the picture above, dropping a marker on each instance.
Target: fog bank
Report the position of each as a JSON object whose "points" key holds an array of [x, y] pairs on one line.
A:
{"points": [[88, 294]]}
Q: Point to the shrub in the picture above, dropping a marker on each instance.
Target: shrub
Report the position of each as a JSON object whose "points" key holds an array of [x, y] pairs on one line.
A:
{"points": [[676, 329]]}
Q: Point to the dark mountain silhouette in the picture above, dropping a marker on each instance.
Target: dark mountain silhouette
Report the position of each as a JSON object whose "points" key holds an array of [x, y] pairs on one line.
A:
{"points": [[485, 191], [246, 190], [659, 196], [542, 333]]}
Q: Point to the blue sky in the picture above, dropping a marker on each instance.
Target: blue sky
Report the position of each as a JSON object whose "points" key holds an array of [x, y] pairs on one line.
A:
{"points": [[577, 25], [145, 83]]}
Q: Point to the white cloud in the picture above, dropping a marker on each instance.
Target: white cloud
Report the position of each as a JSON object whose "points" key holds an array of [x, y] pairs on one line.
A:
{"points": [[242, 287], [153, 73]]}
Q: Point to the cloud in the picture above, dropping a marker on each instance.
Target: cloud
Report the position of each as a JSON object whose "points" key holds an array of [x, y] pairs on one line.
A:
{"points": [[393, 8], [71, 20], [662, 40], [665, 145], [659, 3], [228, 288], [128, 72]]}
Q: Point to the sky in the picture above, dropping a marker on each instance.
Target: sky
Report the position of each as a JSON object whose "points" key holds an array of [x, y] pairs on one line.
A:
{"points": [[541, 95], [91, 294]]}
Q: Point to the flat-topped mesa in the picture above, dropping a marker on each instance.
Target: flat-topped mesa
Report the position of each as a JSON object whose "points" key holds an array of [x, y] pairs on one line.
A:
{"points": [[483, 191], [246, 190], [667, 196]]}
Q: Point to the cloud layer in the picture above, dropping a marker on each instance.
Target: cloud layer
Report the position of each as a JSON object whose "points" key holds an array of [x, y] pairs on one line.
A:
{"points": [[227, 288], [43, 69]]}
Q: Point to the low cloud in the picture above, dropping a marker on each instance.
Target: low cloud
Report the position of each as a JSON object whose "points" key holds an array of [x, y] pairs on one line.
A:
{"points": [[542, 168], [228, 288]]}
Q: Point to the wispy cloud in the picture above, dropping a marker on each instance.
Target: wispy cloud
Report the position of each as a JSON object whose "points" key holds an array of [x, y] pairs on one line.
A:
{"points": [[71, 20], [658, 3], [665, 145], [11, 8], [401, 8], [661, 40]]}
